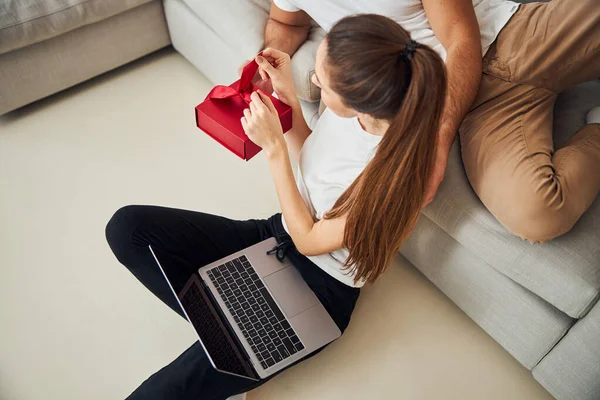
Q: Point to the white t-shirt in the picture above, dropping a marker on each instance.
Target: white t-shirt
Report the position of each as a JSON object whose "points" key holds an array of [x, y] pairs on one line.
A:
{"points": [[332, 157], [491, 14]]}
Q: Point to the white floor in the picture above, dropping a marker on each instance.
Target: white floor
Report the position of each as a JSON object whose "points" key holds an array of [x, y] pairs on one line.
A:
{"points": [[76, 325]]}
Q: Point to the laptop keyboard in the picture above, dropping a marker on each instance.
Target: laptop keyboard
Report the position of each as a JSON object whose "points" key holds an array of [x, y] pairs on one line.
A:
{"points": [[262, 323]]}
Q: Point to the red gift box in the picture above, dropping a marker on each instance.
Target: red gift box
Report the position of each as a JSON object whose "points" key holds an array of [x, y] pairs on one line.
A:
{"points": [[219, 115]]}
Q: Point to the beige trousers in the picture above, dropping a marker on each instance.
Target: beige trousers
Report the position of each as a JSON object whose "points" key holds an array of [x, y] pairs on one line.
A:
{"points": [[536, 191]]}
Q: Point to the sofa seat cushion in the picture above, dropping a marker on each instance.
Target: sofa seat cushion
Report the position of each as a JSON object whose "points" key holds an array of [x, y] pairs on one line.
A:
{"points": [[25, 22], [566, 271], [241, 26], [523, 323], [572, 370]]}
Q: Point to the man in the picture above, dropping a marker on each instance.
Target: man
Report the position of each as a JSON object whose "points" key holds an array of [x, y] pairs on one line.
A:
{"points": [[532, 52]]}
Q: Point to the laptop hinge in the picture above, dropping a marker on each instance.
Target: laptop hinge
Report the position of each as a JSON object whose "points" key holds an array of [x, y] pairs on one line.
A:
{"points": [[229, 332]]}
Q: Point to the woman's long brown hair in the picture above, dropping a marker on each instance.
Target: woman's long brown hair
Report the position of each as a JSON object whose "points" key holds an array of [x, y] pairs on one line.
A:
{"points": [[367, 70]]}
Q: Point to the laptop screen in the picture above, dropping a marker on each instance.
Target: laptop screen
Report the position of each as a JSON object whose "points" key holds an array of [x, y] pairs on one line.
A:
{"points": [[215, 337]]}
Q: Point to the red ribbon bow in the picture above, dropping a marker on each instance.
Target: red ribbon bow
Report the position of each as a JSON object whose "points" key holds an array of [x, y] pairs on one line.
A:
{"points": [[243, 87]]}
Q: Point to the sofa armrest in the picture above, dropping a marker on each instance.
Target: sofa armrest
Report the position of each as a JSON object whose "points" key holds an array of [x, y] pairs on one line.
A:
{"points": [[303, 66]]}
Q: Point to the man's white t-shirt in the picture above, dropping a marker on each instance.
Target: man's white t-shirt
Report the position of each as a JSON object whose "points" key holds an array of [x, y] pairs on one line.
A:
{"points": [[332, 157], [491, 14]]}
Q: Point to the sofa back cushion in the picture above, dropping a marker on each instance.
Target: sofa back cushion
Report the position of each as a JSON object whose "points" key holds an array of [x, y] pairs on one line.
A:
{"points": [[25, 22]]}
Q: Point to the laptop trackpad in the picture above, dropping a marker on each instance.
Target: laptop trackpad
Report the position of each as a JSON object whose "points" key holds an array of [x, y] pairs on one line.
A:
{"points": [[290, 291]]}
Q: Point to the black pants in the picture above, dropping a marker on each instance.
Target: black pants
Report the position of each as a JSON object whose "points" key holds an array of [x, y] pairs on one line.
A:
{"points": [[193, 239]]}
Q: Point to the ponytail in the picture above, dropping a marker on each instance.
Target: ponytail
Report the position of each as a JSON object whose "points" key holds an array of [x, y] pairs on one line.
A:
{"points": [[383, 204]]}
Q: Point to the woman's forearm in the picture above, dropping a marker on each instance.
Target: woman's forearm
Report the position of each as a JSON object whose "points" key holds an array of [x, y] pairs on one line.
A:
{"points": [[297, 216], [296, 136]]}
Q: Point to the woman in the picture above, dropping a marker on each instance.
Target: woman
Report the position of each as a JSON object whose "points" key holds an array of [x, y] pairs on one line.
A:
{"points": [[361, 180]]}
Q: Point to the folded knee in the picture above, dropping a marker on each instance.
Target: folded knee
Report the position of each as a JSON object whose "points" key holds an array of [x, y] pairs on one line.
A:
{"points": [[120, 228], [538, 222]]}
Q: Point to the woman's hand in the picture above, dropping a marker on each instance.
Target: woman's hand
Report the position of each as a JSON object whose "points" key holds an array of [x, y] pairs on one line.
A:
{"points": [[277, 67], [261, 80], [261, 124]]}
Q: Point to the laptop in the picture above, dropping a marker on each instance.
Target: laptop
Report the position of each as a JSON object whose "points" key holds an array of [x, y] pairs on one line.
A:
{"points": [[254, 315]]}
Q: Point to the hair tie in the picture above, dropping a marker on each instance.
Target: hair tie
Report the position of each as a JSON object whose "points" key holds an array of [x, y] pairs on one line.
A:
{"points": [[406, 57], [409, 50]]}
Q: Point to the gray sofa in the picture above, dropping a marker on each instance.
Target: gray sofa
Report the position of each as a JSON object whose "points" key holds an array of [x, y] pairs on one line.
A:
{"points": [[49, 45], [538, 301]]}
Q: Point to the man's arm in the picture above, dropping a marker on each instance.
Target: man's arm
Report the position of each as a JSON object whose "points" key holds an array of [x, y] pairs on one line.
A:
{"points": [[455, 25], [286, 31]]}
